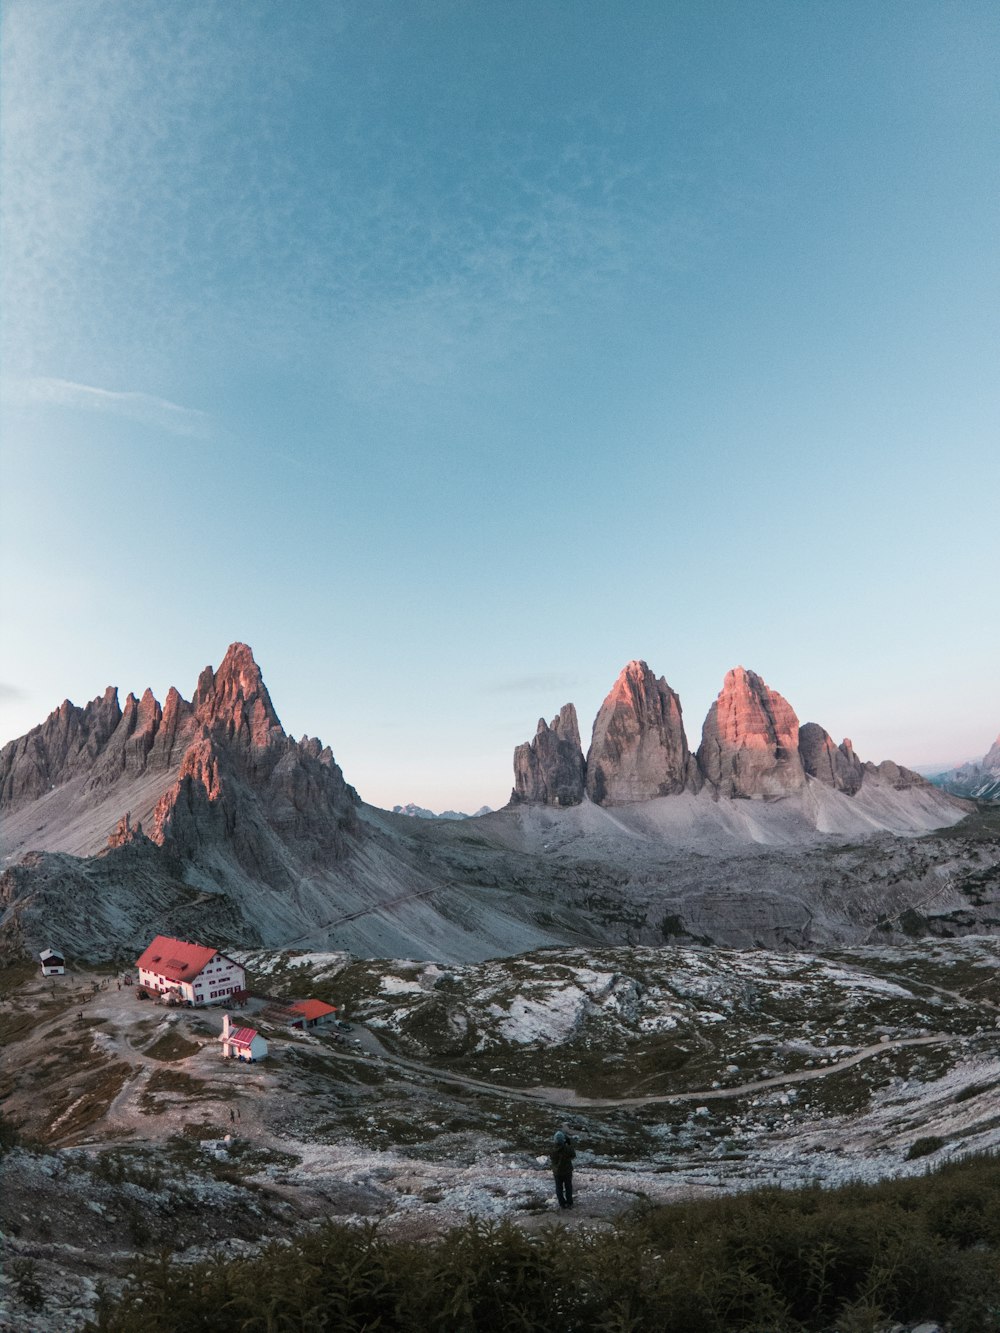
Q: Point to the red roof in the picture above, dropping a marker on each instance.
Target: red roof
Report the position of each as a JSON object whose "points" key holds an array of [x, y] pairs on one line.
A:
{"points": [[178, 960], [310, 1009], [241, 1036]]}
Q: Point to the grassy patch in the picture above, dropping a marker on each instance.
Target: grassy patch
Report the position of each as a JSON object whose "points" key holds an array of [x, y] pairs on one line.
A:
{"points": [[16, 1026], [172, 1046], [86, 1104], [175, 1080], [16, 974]]}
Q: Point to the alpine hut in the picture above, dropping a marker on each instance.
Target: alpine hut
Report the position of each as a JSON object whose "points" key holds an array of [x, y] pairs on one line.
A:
{"points": [[53, 963], [241, 1043], [196, 973]]}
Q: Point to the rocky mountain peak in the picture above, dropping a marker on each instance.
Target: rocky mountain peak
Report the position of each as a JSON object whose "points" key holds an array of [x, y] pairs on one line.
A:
{"points": [[214, 778], [750, 740], [836, 766], [638, 749], [65, 745], [549, 770], [234, 699]]}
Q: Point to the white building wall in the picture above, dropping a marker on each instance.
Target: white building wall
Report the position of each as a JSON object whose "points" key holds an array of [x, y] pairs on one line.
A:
{"points": [[257, 1050], [218, 980]]}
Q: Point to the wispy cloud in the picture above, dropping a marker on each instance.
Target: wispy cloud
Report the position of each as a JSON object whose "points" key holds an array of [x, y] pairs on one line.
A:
{"points": [[142, 407], [155, 200], [536, 684]]}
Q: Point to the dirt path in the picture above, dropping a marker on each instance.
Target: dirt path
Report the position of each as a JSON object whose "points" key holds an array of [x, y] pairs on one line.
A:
{"points": [[120, 1008], [567, 1097], [373, 908]]}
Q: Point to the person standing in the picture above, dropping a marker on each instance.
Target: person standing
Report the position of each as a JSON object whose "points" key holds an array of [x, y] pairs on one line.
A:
{"points": [[561, 1155]]}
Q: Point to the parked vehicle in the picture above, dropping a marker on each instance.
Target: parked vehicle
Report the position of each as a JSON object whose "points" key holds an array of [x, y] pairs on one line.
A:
{"points": [[345, 1027]]}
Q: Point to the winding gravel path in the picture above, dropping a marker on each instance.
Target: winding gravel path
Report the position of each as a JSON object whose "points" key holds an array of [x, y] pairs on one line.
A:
{"points": [[567, 1097]]}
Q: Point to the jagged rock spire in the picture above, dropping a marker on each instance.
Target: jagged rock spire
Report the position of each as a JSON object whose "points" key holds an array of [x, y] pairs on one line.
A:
{"points": [[550, 770], [836, 766], [639, 749]]}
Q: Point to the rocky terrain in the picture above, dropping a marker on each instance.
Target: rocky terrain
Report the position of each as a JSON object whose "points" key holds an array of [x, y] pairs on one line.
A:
{"points": [[550, 769], [639, 750], [681, 1072], [715, 968], [205, 817]]}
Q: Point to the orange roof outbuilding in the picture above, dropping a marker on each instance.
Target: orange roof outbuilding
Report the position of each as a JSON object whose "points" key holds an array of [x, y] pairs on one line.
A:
{"points": [[310, 1009], [177, 960]]}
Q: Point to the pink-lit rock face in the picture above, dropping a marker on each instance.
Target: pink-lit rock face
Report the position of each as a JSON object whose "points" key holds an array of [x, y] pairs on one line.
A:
{"points": [[229, 770], [639, 750], [243, 780], [836, 766], [127, 834], [750, 740], [233, 702]]}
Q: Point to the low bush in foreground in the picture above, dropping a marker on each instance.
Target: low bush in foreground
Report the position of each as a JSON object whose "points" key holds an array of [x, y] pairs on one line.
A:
{"points": [[773, 1261]]}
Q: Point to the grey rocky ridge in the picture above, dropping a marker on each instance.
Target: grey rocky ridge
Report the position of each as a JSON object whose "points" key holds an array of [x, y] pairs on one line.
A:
{"points": [[414, 811], [221, 763]]}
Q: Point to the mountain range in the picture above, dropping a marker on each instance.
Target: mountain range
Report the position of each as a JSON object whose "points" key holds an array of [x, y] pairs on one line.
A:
{"points": [[751, 746], [978, 781], [421, 812], [204, 817]]}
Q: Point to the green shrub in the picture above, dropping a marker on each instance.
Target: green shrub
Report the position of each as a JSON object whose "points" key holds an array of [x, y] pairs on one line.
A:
{"points": [[925, 1146], [26, 1284], [808, 1261]]}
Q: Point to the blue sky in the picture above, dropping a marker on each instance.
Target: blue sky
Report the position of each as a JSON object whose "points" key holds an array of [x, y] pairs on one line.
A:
{"points": [[453, 354]]}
